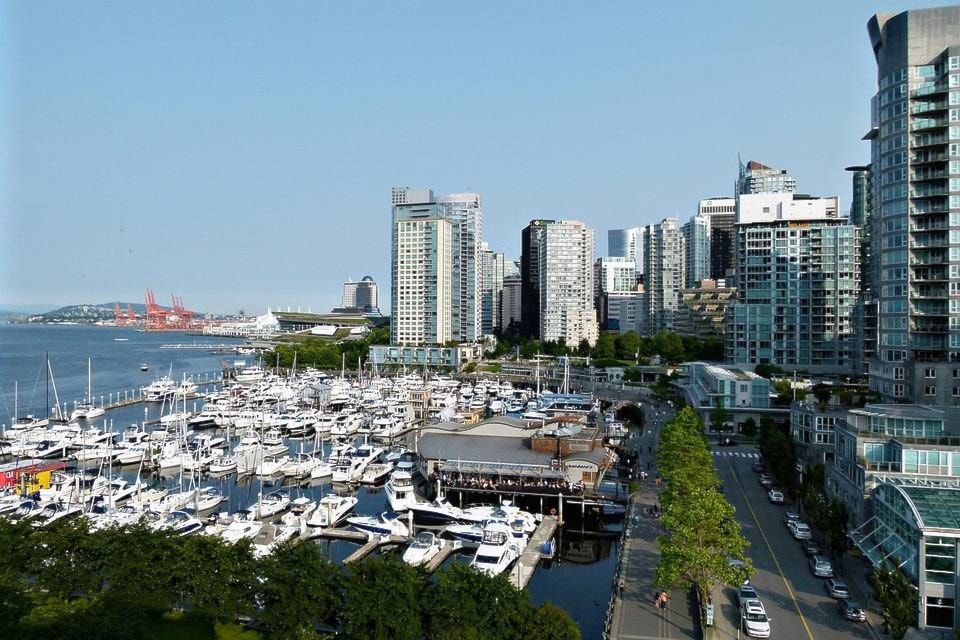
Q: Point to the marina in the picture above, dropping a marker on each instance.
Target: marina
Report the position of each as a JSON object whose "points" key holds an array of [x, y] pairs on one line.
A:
{"points": [[307, 424]]}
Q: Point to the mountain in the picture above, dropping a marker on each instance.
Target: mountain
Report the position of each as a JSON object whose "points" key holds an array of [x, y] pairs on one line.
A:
{"points": [[85, 313]]}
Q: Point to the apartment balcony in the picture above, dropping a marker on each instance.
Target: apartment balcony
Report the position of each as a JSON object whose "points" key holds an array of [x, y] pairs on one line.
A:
{"points": [[928, 140], [919, 226], [929, 106], [929, 89], [929, 124], [929, 292], [922, 324], [929, 192], [929, 208], [928, 259], [925, 309], [927, 274], [929, 342], [927, 157], [922, 175], [931, 242]]}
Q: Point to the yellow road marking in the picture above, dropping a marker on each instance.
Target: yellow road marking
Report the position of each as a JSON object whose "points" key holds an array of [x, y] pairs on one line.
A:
{"points": [[763, 535]]}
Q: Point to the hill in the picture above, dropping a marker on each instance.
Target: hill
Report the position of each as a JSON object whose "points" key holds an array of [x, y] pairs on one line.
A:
{"points": [[84, 313]]}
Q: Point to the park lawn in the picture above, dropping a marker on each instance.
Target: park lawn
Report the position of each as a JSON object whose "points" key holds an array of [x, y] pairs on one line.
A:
{"points": [[175, 626]]}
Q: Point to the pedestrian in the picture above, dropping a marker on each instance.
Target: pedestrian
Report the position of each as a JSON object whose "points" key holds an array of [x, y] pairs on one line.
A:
{"points": [[659, 481], [663, 599], [656, 600]]}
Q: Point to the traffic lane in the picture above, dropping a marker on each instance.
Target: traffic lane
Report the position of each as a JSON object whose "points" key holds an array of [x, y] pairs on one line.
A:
{"points": [[818, 609]]}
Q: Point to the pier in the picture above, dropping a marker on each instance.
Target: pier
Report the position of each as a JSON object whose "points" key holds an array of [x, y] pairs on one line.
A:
{"points": [[523, 569], [370, 541], [201, 345], [449, 546]]}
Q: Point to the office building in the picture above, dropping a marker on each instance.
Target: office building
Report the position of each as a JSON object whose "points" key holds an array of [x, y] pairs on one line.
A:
{"points": [[530, 277], [797, 277], [722, 213], [626, 243], [620, 312], [465, 213], [663, 254], [696, 241], [755, 177], [614, 274], [510, 302], [421, 283], [566, 310], [362, 296], [493, 267], [915, 185], [703, 309]]}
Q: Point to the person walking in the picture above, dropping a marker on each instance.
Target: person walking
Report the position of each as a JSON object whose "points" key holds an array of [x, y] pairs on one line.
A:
{"points": [[663, 599]]}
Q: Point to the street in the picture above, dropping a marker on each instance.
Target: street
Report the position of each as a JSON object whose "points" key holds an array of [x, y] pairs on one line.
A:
{"points": [[795, 600]]}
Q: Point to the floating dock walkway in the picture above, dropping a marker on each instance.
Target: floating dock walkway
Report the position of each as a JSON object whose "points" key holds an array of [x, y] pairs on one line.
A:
{"points": [[370, 542], [449, 546], [523, 569]]}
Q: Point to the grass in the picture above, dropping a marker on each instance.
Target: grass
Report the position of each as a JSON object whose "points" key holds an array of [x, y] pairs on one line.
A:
{"points": [[176, 626]]}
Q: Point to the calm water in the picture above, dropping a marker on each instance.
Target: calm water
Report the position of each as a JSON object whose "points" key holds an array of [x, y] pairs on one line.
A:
{"points": [[578, 580]]}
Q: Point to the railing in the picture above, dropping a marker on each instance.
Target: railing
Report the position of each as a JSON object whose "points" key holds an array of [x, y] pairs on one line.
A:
{"points": [[929, 89]]}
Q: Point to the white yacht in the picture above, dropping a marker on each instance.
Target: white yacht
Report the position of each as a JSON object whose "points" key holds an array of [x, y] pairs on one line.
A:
{"points": [[497, 550], [271, 504], [223, 465], [331, 510], [437, 512], [56, 511], [159, 390], [271, 465], [400, 493], [180, 522], [387, 523], [423, 549], [299, 466]]}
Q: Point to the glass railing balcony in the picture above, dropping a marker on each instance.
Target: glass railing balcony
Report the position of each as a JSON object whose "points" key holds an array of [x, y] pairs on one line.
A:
{"points": [[928, 106], [931, 243], [930, 275], [929, 123], [930, 175], [928, 140], [928, 209], [928, 225], [929, 292], [922, 158], [929, 193], [929, 89], [932, 311], [931, 259]]}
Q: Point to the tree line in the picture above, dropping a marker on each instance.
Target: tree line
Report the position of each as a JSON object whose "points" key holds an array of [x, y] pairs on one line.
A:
{"points": [[702, 535], [64, 581], [321, 353], [612, 347]]}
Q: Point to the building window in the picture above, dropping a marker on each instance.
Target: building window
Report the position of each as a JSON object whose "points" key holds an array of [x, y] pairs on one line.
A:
{"points": [[930, 390], [930, 373]]}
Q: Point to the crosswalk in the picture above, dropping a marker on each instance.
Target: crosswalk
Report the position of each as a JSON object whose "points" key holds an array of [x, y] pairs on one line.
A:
{"points": [[737, 454]]}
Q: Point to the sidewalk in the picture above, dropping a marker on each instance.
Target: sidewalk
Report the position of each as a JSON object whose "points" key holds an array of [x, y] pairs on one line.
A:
{"points": [[853, 571], [634, 615]]}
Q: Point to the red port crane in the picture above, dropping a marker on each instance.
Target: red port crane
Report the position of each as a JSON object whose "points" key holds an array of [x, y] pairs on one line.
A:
{"points": [[179, 318]]}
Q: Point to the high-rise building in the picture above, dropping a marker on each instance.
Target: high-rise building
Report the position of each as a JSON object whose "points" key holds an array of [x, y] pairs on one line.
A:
{"points": [[530, 277], [797, 281], [566, 309], [421, 284], [696, 240], [722, 213], [362, 296], [915, 184], [510, 302], [703, 309], [759, 178], [493, 267], [612, 276], [663, 255], [626, 243], [465, 214], [865, 311]]}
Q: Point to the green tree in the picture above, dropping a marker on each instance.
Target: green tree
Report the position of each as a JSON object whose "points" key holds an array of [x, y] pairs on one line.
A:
{"points": [[583, 349], [719, 416], [767, 370], [605, 346], [465, 603], [898, 599], [551, 623], [384, 600], [668, 345], [626, 345], [749, 428], [297, 589]]}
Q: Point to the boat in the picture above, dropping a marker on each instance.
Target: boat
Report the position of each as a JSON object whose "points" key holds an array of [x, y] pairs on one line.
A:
{"points": [[26, 510], [55, 511], [271, 465], [179, 522], [423, 549], [437, 512], [387, 523], [376, 472], [400, 493], [331, 510], [87, 410], [207, 499], [121, 339], [270, 537], [497, 550], [223, 465], [471, 533], [271, 504], [505, 512], [144, 367], [300, 466], [159, 390]]}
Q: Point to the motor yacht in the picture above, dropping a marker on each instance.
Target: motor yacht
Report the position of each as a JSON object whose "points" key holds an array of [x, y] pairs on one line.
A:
{"points": [[400, 493], [437, 512], [387, 523], [331, 510], [422, 549], [271, 504], [497, 550], [55, 511], [179, 522]]}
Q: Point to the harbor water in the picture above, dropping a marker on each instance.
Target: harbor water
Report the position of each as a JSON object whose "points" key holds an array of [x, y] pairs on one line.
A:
{"points": [[578, 579]]}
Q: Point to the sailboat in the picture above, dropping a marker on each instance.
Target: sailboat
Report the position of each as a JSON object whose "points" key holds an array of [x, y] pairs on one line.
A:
{"points": [[87, 410]]}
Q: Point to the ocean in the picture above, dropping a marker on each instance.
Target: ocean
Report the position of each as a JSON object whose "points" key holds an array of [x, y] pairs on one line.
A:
{"points": [[577, 580]]}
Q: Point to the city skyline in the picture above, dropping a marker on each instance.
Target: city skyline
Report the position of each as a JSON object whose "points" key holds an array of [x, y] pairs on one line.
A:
{"points": [[247, 142]]}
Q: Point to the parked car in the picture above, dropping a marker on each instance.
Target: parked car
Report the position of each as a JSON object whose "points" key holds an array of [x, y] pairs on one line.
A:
{"points": [[775, 496], [811, 547], [836, 588], [850, 610], [801, 531], [821, 567], [758, 467], [766, 479], [754, 620], [728, 442], [789, 517], [746, 592]]}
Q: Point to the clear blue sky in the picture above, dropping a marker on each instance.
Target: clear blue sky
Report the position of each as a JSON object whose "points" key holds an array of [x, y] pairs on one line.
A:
{"points": [[242, 154]]}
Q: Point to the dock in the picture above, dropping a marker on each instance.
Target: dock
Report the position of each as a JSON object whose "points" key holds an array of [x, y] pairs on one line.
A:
{"points": [[449, 546], [370, 541], [339, 534], [373, 543], [523, 569]]}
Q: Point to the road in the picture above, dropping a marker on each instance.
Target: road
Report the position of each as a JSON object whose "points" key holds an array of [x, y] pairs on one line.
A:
{"points": [[795, 600]]}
